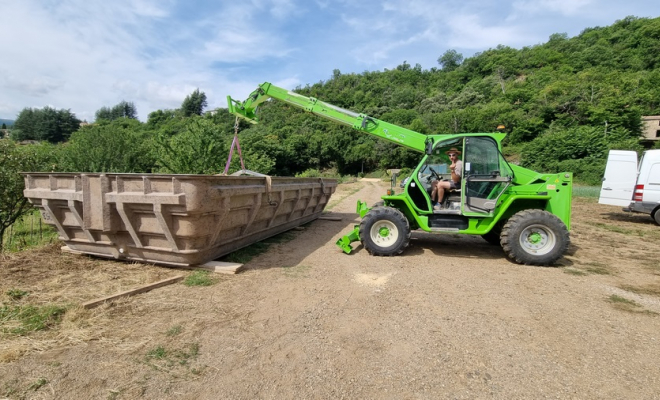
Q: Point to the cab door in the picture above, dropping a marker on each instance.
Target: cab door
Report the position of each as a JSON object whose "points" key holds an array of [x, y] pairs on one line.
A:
{"points": [[487, 174], [620, 177]]}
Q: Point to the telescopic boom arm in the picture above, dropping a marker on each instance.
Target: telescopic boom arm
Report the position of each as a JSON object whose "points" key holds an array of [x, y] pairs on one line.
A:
{"points": [[361, 122]]}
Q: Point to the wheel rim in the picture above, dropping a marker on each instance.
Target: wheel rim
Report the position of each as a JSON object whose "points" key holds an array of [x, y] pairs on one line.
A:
{"points": [[384, 233], [537, 239]]}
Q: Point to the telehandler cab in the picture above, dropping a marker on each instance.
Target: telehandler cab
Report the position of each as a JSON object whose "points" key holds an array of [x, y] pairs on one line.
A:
{"points": [[525, 212]]}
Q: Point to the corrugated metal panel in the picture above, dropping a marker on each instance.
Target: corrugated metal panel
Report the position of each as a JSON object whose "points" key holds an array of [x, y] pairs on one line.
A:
{"points": [[172, 219]]}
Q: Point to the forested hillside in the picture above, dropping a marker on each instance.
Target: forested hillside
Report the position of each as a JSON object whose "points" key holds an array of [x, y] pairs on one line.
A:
{"points": [[564, 103]]}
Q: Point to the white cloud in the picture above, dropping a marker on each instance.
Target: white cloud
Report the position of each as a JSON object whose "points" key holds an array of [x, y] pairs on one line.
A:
{"points": [[230, 45], [151, 8], [563, 7], [469, 32], [287, 83], [83, 55], [37, 86], [283, 9]]}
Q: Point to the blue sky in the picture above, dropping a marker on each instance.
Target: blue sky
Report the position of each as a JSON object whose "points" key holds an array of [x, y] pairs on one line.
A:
{"points": [[86, 54]]}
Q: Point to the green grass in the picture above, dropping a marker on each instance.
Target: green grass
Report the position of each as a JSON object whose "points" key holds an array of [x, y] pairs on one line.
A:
{"points": [[652, 290], [623, 304], [622, 301], [21, 320], [161, 358], [158, 353], [597, 268], [36, 385], [586, 191], [589, 268], [29, 231], [576, 272], [200, 278], [618, 229], [175, 330], [17, 294]]}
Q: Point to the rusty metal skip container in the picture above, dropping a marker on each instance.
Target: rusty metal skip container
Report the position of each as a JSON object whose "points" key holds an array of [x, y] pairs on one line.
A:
{"points": [[178, 220]]}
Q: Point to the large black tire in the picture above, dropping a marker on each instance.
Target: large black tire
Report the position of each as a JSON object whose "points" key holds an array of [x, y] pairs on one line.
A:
{"points": [[385, 231], [534, 237], [493, 237], [656, 216]]}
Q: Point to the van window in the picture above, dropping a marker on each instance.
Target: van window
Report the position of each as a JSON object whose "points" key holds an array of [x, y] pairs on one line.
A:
{"points": [[654, 174]]}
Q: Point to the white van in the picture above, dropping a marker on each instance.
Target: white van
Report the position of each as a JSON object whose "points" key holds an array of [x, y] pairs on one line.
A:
{"points": [[636, 189]]}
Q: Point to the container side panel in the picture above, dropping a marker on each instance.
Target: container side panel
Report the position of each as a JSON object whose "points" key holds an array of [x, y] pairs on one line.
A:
{"points": [[172, 219]]}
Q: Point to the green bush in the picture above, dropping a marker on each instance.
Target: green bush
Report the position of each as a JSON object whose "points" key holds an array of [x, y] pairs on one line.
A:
{"points": [[15, 159], [117, 146], [581, 150], [198, 149]]}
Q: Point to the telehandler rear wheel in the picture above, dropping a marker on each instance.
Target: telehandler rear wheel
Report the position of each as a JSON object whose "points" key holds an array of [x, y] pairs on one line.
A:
{"points": [[384, 231], [534, 237]]}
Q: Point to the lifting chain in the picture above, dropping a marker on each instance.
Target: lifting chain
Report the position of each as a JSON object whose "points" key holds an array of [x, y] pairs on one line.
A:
{"points": [[231, 150]]}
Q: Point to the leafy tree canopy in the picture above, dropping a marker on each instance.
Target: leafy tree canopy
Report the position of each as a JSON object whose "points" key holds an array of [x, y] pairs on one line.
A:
{"points": [[122, 110], [15, 159], [121, 145], [47, 124], [194, 104]]}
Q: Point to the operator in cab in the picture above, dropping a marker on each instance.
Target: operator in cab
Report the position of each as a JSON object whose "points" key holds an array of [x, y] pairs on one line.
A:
{"points": [[440, 186]]}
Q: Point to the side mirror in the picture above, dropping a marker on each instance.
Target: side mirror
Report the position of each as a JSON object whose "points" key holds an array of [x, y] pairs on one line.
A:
{"points": [[428, 146]]}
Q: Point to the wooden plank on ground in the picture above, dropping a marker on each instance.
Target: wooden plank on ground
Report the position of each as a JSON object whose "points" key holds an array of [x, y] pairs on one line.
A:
{"points": [[217, 266], [132, 292], [330, 218]]}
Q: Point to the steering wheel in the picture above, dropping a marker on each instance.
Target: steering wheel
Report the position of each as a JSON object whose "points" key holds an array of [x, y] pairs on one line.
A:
{"points": [[435, 174]]}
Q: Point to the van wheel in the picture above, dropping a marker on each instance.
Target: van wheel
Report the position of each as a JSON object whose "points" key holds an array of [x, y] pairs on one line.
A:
{"points": [[534, 237], [656, 216], [384, 231]]}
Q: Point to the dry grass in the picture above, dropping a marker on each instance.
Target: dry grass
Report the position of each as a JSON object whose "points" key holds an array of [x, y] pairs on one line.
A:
{"points": [[343, 191], [46, 277], [653, 289]]}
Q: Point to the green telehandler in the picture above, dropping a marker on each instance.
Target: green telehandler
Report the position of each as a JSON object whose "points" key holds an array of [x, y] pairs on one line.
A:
{"points": [[526, 212]]}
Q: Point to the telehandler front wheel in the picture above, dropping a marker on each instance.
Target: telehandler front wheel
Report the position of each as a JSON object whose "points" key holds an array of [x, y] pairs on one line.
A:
{"points": [[384, 231], [534, 237], [493, 237]]}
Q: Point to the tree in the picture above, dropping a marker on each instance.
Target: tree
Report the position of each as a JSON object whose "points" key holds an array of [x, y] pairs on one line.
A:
{"points": [[194, 103], [199, 149], [117, 146], [45, 124], [122, 110], [159, 118], [15, 159], [450, 60], [4, 126]]}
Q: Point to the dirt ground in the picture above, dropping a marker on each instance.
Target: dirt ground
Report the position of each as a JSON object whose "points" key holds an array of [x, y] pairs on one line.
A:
{"points": [[451, 318]]}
